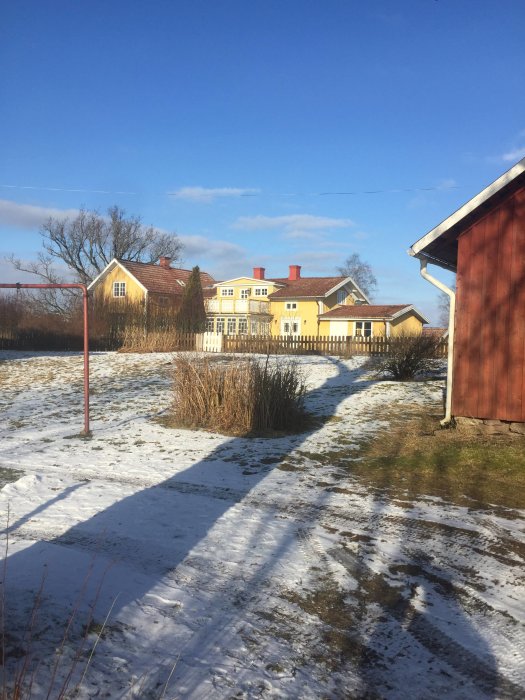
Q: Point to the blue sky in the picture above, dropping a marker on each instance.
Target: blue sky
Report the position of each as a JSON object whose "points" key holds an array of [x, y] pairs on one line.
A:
{"points": [[239, 123]]}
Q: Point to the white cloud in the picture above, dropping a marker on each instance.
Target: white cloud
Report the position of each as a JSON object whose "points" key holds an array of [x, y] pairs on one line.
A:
{"points": [[29, 216], [206, 195], [295, 226], [514, 155], [448, 184], [195, 246]]}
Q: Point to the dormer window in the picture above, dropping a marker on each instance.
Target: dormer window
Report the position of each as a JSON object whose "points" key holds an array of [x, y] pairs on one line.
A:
{"points": [[119, 289], [342, 296]]}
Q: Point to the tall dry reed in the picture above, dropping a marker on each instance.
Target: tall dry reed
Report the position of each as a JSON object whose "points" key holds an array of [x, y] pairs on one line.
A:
{"points": [[238, 397]]}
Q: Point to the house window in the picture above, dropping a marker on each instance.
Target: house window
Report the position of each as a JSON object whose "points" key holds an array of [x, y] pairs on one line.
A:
{"points": [[254, 328], [227, 292], [363, 328], [163, 301], [219, 325], [291, 305], [119, 289], [245, 293], [261, 291], [243, 326], [290, 327], [342, 296], [209, 325], [232, 324]]}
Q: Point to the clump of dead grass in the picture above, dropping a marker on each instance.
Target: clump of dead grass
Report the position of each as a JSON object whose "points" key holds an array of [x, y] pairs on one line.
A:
{"points": [[246, 397], [138, 340], [415, 456]]}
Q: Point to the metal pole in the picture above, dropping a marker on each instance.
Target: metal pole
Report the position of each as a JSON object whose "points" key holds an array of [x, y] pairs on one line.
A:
{"points": [[86, 432]]}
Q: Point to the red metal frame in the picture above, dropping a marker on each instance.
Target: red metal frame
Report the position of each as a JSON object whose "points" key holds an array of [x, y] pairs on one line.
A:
{"points": [[86, 432]]}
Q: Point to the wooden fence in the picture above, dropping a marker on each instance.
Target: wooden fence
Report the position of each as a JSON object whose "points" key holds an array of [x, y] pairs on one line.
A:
{"points": [[169, 341], [304, 345]]}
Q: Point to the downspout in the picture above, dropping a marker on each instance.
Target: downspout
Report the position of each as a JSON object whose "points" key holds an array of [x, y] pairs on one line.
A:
{"points": [[451, 315]]}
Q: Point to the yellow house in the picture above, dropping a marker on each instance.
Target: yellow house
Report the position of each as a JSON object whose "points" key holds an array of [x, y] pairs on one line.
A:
{"points": [[125, 282], [299, 302], [240, 305], [278, 306], [372, 320]]}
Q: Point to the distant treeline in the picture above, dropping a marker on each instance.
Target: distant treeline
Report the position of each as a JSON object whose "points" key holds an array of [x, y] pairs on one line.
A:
{"points": [[24, 326]]}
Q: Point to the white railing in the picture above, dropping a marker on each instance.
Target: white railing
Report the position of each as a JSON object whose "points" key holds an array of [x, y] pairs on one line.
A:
{"points": [[237, 306]]}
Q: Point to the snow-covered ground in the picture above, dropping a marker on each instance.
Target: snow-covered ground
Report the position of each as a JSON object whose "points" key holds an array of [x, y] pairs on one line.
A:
{"points": [[242, 568]]}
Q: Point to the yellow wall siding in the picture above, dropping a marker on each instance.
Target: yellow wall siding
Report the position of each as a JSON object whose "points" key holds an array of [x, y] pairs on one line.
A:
{"points": [[407, 325], [134, 293], [344, 328], [330, 302], [305, 315], [378, 328]]}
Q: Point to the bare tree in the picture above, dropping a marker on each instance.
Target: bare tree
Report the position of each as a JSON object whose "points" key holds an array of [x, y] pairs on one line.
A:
{"points": [[444, 306], [361, 272], [87, 243]]}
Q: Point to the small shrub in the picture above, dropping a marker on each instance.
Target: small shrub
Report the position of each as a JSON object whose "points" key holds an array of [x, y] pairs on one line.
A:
{"points": [[238, 398], [408, 356]]}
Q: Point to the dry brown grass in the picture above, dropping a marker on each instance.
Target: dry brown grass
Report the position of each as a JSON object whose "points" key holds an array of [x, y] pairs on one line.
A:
{"points": [[243, 397], [137, 340], [415, 456]]}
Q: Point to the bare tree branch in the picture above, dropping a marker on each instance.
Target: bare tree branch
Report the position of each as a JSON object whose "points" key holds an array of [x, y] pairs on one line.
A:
{"points": [[87, 243], [361, 272]]}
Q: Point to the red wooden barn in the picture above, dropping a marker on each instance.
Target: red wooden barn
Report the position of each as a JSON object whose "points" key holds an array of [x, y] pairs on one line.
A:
{"points": [[484, 243]]}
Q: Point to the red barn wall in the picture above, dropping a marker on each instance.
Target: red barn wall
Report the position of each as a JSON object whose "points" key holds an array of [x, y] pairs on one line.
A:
{"points": [[489, 355]]}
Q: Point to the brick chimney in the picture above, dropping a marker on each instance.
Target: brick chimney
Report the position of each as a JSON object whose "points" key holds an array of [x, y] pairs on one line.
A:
{"points": [[295, 273], [164, 261], [258, 273]]}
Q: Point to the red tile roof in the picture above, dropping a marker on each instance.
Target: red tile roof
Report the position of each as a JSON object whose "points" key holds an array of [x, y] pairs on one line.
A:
{"points": [[163, 280], [305, 287], [365, 311], [435, 332]]}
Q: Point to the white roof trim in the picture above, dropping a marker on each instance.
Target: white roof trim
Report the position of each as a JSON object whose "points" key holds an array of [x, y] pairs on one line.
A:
{"points": [[108, 268], [392, 317], [468, 208], [411, 307], [235, 282], [341, 284]]}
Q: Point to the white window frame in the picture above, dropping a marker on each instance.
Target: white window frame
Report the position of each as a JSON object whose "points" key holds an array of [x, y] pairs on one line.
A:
{"points": [[231, 325], [254, 328], [291, 326], [245, 293], [209, 325], [363, 329], [291, 306], [226, 291], [219, 325], [119, 289], [342, 296], [242, 326], [261, 291]]}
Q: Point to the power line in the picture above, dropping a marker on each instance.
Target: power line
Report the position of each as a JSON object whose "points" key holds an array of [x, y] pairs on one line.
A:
{"points": [[349, 193]]}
